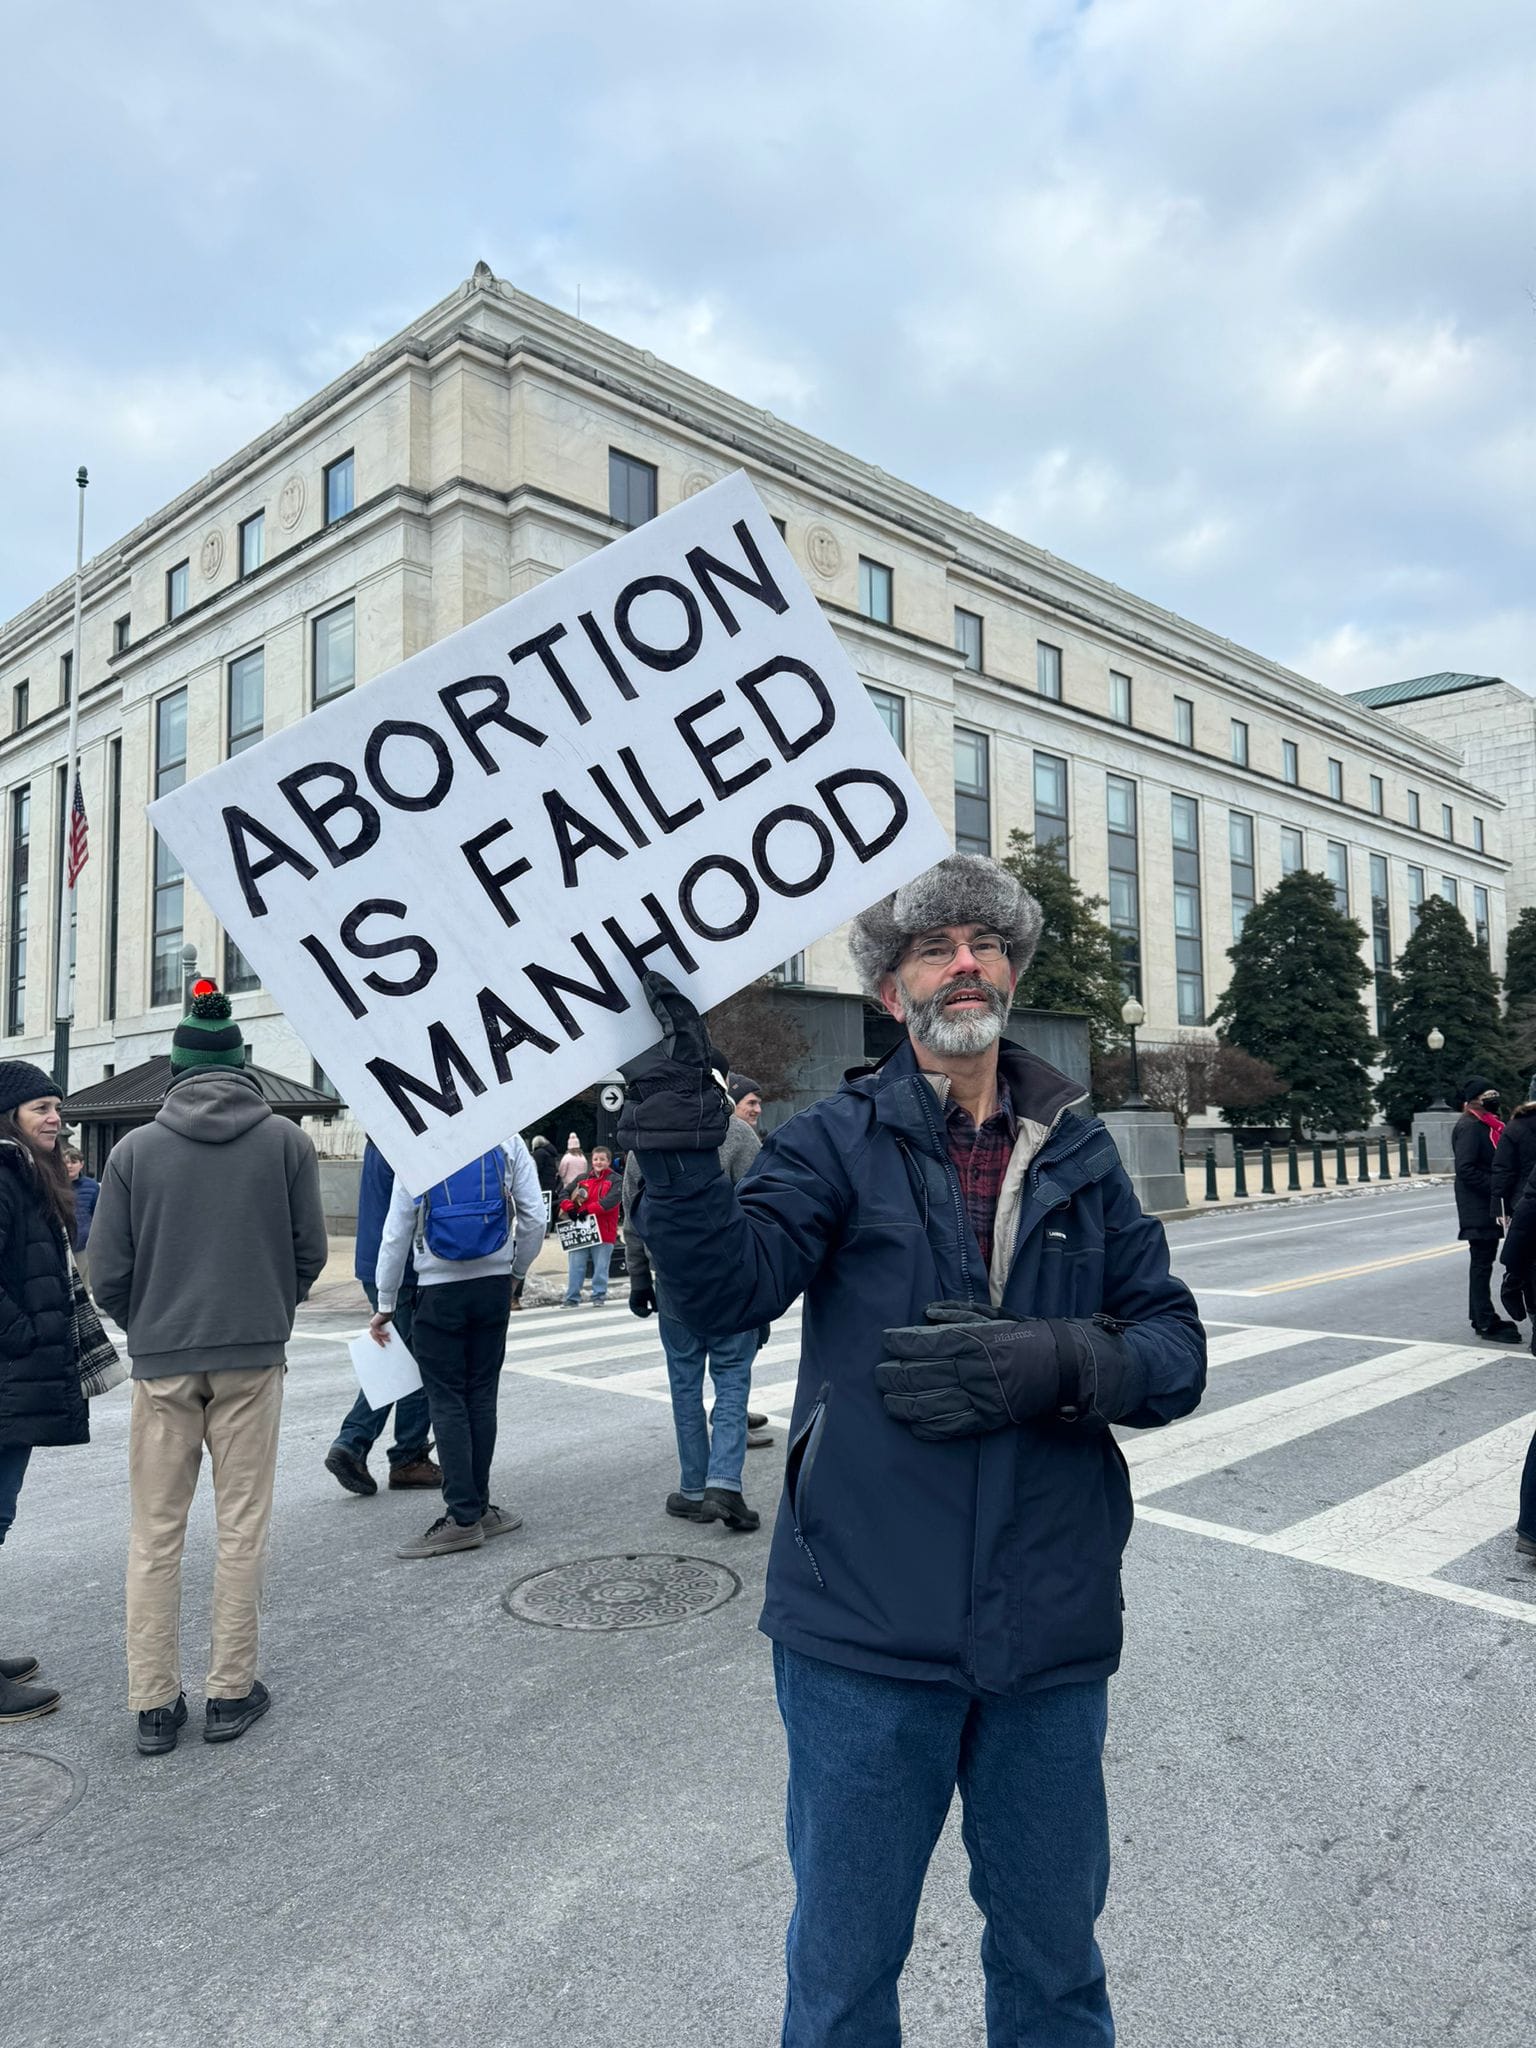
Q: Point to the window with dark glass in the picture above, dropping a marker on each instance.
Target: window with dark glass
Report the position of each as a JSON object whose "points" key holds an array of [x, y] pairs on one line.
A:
{"points": [[246, 716], [893, 714], [1293, 849], [1480, 916], [1378, 795], [1336, 780], [1119, 697], [319, 1078], [66, 676], [1413, 809], [968, 638], [783, 529], [166, 918], [1381, 939], [253, 543], [333, 648], [1478, 845], [1184, 721], [339, 480], [1188, 951], [1239, 743], [61, 827], [1244, 873], [631, 488], [178, 585], [1290, 762], [1447, 822], [1048, 670], [16, 933], [1338, 874], [1125, 878], [1051, 823], [114, 865], [875, 591], [973, 793], [790, 973], [1415, 897], [1450, 890], [121, 629], [21, 694]]}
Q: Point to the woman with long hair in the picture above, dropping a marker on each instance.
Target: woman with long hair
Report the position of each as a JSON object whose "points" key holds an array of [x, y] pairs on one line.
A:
{"points": [[41, 1399]]}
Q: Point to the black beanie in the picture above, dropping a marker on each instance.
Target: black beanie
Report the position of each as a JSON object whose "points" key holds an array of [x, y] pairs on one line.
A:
{"points": [[1470, 1090], [739, 1085], [21, 1082]]}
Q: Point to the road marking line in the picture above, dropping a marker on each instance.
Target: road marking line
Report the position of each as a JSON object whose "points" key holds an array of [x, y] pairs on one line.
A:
{"points": [[779, 1394], [1198, 1244], [1424, 1519], [1236, 1345], [1205, 1443], [1439, 1251], [578, 1367]]}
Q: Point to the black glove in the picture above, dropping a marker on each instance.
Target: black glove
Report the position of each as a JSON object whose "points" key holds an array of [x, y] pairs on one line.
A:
{"points": [[967, 1371], [642, 1298], [674, 1101], [1512, 1294]]}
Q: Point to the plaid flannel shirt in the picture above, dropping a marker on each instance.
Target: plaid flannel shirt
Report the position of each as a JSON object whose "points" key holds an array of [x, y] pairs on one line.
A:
{"points": [[980, 1154]]}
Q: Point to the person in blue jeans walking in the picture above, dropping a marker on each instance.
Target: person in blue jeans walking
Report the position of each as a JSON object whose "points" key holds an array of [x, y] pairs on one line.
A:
{"points": [[710, 1451], [983, 1298], [594, 1196], [410, 1455]]}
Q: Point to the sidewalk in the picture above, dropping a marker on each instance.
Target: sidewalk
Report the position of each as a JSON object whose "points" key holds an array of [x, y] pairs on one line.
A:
{"points": [[1195, 1181]]}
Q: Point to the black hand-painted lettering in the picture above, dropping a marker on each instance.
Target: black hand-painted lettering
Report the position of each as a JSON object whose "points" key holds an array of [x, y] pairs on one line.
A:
{"points": [[617, 805], [706, 752], [750, 899], [602, 991], [493, 880], [606, 655], [659, 657], [752, 687], [666, 938], [325, 960], [707, 568], [382, 949], [866, 849], [448, 1059], [543, 645], [317, 817], [408, 729], [576, 835], [799, 815], [469, 723], [665, 820], [505, 1031], [241, 829]]}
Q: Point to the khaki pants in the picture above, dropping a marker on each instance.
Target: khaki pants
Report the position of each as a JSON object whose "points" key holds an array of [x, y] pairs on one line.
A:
{"points": [[236, 1414]]}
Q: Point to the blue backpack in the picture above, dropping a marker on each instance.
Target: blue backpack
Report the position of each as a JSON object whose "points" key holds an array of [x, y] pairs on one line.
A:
{"points": [[465, 1216]]}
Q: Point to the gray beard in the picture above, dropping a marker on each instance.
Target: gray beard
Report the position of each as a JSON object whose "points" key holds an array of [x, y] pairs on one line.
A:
{"points": [[959, 1033]]}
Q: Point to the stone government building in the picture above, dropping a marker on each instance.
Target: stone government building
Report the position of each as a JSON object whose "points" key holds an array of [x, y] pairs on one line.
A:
{"points": [[495, 442]]}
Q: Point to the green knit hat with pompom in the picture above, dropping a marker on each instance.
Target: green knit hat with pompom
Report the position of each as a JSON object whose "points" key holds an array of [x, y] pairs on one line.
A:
{"points": [[208, 1035]]}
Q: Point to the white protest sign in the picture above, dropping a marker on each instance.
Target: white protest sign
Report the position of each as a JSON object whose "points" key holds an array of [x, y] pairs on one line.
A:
{"points": [[453, 878]]}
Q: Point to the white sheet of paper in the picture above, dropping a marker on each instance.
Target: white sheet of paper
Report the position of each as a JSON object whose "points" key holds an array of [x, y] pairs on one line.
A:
{"points": [[385, 1372]]}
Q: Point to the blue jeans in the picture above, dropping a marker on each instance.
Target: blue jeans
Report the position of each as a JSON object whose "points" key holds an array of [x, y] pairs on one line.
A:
{"points": [[13, 1469], [709, 1453], [413, 1425], [576, 1271], [873, 1766]]}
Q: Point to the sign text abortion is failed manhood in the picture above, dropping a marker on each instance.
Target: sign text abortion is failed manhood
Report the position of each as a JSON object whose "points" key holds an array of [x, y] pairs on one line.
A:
{"points": [[453, 878]]}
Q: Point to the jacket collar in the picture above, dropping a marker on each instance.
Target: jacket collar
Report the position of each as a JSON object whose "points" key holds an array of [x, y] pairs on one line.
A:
{"points": [[907, 1100]]}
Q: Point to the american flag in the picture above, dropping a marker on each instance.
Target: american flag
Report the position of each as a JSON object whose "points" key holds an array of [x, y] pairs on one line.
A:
{"points": [[79, 836]]}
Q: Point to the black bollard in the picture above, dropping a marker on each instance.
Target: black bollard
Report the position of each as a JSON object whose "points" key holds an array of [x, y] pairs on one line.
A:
{"points": [[1239, 1171], [1292, 1169], [1403, 1168], [1267, 1172], [1340, 1165], [1319, 1178], [1364, 1172], [1423, 1153], [1210, 1174], [1383, 1160]]}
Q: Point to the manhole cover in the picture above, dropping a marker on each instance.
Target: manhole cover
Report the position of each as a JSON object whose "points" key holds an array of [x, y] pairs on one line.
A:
{"points": [[622, 1592], [34, 1792]]}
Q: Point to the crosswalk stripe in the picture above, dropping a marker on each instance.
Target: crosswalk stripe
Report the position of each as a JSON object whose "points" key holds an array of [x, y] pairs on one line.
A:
{"points": [[780, 1394], [645, 1376], [1205, 1443], [1424, 1519], [1235, 1345]]}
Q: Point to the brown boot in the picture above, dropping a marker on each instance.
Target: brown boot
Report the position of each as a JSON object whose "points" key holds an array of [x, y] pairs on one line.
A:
{"points": [[420, 1473]]}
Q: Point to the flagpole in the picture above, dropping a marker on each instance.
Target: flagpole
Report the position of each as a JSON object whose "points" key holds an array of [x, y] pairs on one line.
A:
{"points": [[63, 1004]]}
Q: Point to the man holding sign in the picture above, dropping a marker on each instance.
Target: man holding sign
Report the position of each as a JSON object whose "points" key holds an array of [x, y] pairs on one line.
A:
{"points": [[983, 1298]]}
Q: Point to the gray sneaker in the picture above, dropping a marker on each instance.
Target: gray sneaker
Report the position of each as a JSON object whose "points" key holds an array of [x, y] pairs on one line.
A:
{"points": [[444, 1535], [499, 1522]]}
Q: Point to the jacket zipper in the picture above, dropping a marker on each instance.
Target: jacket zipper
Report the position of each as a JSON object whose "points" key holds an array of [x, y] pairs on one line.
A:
{"points": [[954, 1190], [807, 1457]]}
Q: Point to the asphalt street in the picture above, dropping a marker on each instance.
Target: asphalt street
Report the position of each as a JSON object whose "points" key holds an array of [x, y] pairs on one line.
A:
{"points": [[456, 1825]]}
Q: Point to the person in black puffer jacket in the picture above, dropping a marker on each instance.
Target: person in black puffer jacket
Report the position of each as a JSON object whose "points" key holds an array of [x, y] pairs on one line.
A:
{"points": [[41, 1402], [1514, 1159], [1475, 1138]]}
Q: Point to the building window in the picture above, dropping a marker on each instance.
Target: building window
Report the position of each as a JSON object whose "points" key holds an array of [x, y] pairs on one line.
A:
{"points": [[61, 816], [66, 676], [177, 589], [893, 714], [1048, 670], [121, 628], [114, 864], [1415, 897], [1239, 743], [1244, 881], [1336, 780], [247, 710], [875, 581], [1338, 874], [21, 694], [253, 543], [1413, 809], [1184, 721], [631, 489], [1125, 879], [1450, 891], [1119, 697], [333, 650], [1480, 916], [973, 793], [1478, 845], [1293, 850], [1051, 805], [968, 638], [781, 527], [1188, 954], [1290, 762], [339, 482], [1447, 822], [1378, 796], [320, 1079], [1381, 939], [166, 922], [790, 973], [16, 940]]}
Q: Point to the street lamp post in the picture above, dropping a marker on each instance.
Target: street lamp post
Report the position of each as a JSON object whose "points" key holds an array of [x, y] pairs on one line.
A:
{"points": [[1132, 1014], [1436, 1043]]}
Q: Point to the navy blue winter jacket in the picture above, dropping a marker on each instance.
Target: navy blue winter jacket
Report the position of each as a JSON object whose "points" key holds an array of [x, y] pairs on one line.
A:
{"points": [[994, 1562]]}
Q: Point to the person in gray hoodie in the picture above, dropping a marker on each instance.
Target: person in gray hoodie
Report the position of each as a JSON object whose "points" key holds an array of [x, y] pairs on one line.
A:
{"points": [[710, 1450], [208, 1234]]}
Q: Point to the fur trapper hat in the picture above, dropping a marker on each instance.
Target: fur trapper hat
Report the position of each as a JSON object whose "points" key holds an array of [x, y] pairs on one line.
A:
{"points": [[967, 888]]}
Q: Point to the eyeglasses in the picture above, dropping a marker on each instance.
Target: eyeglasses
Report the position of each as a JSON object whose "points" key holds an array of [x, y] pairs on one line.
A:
{"points": [[987, 948]]}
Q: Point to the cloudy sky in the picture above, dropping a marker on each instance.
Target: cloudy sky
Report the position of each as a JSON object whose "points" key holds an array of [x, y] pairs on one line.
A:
{"points": [[1231, 301]]}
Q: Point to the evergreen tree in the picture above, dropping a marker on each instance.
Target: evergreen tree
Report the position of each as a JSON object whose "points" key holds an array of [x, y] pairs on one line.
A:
{"points": [[1077, 962], [1443, 983], [1520, 961], [1294, 1000]]}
